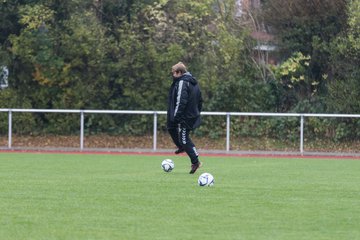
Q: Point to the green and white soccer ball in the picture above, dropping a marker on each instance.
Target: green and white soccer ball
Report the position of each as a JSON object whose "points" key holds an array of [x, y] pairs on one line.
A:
{"points": [[206, 180], [167, 165]]}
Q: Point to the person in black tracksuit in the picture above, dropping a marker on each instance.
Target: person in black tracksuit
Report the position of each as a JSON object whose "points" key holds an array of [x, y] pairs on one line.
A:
{"points": [[183, 114]]}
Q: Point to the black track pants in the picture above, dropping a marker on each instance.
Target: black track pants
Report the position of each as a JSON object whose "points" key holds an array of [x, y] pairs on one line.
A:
{"points": [[181, 138]]}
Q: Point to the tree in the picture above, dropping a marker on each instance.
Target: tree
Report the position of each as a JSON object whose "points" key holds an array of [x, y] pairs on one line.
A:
{"points": [[118, 55], [307, 27], [344, 76], [296, 23]]}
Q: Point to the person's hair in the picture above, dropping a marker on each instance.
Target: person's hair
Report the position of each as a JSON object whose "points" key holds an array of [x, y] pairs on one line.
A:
{"points": [[179, 67]]}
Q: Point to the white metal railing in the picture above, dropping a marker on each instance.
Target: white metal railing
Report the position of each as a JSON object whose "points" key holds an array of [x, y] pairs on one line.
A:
{"points": [[156, 113]]}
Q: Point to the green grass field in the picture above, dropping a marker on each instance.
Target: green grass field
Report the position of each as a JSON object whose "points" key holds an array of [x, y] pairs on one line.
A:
{"points": [[73, 196]]}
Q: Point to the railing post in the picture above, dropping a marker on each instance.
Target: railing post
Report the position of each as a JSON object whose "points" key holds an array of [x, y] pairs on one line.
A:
{"points": [[10, 129], [227, 132], [302, 134], [155, 131], [81, 130]]}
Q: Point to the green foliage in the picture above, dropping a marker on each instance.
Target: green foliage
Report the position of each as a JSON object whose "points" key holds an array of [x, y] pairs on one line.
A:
{"points": [[334, 129], [33, 17], [354, 24], [83, 54], [9, 20], [296, 87], [344, 89], [306, 27], [297, 22], [21, 122]]}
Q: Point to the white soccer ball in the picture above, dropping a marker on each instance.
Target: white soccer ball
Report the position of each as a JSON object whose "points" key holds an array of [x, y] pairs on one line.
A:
{"points": [[167, 165], [206, 179]]}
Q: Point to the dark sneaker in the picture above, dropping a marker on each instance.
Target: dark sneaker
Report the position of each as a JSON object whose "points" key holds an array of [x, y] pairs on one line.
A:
{"points": [[180, 150], [194, 167]]}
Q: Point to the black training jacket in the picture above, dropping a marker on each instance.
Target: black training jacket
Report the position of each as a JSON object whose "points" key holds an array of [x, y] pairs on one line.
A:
{"points": [[184, 102]]}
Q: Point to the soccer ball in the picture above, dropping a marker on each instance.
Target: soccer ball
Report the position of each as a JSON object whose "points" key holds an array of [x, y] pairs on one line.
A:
{"points": [[167, 165], [206, 179]]}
